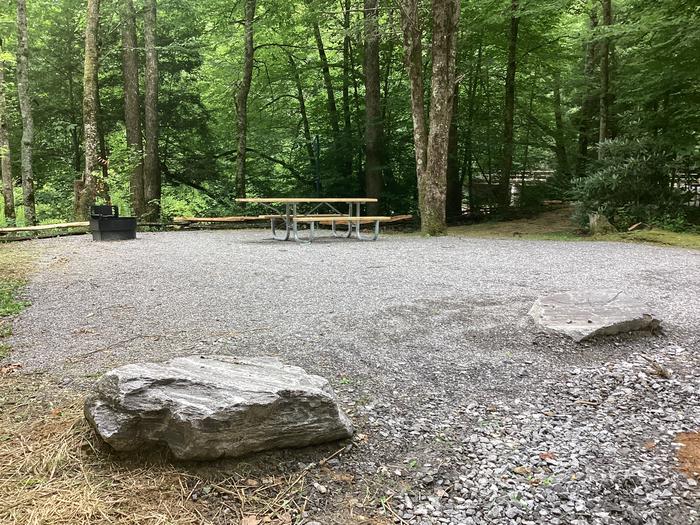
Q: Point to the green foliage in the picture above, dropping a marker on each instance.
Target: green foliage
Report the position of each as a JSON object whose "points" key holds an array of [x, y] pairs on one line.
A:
{"points": [[9, 303], [631, 184], [532, 196], [655, 84]]}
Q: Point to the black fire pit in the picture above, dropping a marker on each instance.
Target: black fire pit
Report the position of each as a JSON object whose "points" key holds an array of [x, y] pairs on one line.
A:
{"points": [[107, 225]]}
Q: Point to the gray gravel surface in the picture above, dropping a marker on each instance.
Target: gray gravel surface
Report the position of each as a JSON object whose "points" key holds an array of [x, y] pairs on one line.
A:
{"points": [[466, 413]]}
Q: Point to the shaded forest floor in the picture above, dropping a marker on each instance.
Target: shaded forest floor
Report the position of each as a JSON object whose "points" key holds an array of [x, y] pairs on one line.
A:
{"points": [[461, 372], [556, 224]]}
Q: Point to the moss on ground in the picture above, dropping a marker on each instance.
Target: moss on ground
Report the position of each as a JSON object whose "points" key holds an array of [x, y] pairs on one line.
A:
{"points": [[15, 264], [556, 224]]}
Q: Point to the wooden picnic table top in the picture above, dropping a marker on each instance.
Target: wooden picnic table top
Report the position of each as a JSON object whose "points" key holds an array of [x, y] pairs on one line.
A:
{"points": [[299, 200]]}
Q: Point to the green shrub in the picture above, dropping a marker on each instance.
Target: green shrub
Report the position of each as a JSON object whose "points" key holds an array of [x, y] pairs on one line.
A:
{"points": [[631, 184], [533, 195]]}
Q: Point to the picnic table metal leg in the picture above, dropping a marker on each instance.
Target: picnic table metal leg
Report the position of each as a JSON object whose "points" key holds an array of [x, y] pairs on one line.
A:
{"points": [[348, 233], [295, 229], [356, 225], [373, 237], [286, 225]]}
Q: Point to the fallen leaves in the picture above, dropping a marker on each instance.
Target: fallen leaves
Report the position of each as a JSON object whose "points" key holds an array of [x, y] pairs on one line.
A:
{"points": [[522, 470], [8, 369], [689, 453]]}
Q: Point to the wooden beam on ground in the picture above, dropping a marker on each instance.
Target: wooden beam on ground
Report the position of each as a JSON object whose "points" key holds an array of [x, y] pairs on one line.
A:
{"points": [[45, 227], [236, 218]]}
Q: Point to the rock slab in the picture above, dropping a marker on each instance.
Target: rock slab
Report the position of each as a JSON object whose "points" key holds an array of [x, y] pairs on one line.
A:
{"points": [[207, 407], [588, 313]]}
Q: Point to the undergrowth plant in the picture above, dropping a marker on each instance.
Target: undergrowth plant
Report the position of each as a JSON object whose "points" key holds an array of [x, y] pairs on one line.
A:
{"points": [[631, 184]]}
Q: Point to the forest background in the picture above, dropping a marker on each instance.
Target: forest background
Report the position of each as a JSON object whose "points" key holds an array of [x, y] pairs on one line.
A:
{"points": [[176, 107]]}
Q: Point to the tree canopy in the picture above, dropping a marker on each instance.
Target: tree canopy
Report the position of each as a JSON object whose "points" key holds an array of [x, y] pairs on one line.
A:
{"points": [[300, 97]]}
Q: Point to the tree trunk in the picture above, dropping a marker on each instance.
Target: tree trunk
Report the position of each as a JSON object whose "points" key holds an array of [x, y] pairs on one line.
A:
{"points": [[132, 106], [374, 127], [431, 147], [302, 111], [453, 206], [559, 142], [327, 81], [242, 97], [74, 132], [339, 154], [25, 106], [356, 144], [587, 104], [5, 160], [444, 54], [347, 130], [151, 164], [603, 131], [471, 106], [413, 50], [509, 113], [87, 188]]}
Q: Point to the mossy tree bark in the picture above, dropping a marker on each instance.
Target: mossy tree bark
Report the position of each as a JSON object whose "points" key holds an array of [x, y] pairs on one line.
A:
{"points": [[605, 96], [132, 106], [25, 106], [431, 142], [242, 97], [151, 164], [509, 112], [86, 189], [374, 126], [5, 159]]}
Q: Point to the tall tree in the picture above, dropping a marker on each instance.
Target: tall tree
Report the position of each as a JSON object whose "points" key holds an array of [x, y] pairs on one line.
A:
{"points": [[25, 106], [374, 126], [604, 120], [151, 165], [132, 106], [471, 109], [308, 141], [242, 97], [347, 69], [340, 155], [509, 109], [431, 142], [5, 160], [86, 189], [453, 190], [587, 112], [559, 142]]}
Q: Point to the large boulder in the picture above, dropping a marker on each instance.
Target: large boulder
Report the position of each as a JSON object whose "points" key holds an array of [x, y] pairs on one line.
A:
{"points": [[588, 313], [206, 407]]}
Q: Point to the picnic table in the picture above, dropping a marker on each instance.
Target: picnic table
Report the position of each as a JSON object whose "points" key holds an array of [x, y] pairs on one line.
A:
{"points": [[292, 217]]}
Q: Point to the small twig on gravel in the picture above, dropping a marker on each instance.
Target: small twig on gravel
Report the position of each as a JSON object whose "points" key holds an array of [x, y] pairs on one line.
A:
{"points": [[387, 505], [587, 402], [657, 368], [326, 460]]}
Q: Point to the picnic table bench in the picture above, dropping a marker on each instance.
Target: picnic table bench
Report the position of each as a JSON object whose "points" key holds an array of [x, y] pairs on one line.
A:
{"points": [[291, 217]]}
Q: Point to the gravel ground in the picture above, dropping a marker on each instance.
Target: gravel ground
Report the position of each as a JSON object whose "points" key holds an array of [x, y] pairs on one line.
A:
{"points": [[466, 413]]}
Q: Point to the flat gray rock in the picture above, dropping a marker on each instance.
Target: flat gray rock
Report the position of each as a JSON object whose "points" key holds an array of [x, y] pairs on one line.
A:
{"points": [[588, 313], [206, 407]]}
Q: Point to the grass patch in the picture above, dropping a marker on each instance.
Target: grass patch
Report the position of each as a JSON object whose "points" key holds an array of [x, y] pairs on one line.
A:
{"points": [[15, 264], [551, 224], [556, 225], [663, 237], [9, 303]]}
